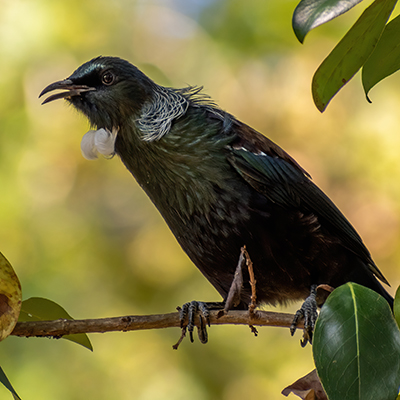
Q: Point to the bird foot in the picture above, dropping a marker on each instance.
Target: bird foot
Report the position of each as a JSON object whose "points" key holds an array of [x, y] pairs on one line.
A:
{"points": [[201, 310], [308, 312]]}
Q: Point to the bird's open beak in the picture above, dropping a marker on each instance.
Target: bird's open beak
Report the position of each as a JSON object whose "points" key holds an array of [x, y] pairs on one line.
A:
{"points": [[69, 86]]}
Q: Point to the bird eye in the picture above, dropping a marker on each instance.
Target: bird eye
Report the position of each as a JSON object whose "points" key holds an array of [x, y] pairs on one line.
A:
{"points": [[107, 78]]}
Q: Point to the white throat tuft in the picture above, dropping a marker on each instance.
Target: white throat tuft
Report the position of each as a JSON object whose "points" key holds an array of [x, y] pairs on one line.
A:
{"points": [[98, 142]]}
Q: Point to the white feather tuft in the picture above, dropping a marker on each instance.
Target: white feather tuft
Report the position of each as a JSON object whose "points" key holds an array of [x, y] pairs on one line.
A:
{"points": [[87, 146], [104, 141], [157, 116], [101, 141]]}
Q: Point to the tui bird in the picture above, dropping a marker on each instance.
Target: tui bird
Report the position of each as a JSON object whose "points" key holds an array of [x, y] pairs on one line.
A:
{"points": [[220, 185]]}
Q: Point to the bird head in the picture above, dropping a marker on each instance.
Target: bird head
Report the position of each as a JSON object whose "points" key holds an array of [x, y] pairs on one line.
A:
{"points": [[107, 90]]}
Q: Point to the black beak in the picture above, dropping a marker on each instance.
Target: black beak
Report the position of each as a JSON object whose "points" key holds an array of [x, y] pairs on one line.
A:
{"points": [[69, 86]]}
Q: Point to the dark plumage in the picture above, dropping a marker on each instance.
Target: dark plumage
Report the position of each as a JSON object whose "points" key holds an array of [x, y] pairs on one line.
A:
{"points": [[220, 185]]}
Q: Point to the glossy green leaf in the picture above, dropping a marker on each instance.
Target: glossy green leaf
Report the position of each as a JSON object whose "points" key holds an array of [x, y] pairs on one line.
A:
{"points": [[40, 309], [385, 59], [311, 13], [396, 307], [4, 380], [350, 53], [357, 346]]}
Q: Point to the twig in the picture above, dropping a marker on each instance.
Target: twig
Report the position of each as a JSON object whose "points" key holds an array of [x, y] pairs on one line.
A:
{"points": [[253, 299], [252, 281], [61, 327], [183, 335]]}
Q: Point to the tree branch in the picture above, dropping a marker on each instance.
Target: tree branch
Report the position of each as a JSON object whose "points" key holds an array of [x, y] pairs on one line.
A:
{"points": [[61, 327]]}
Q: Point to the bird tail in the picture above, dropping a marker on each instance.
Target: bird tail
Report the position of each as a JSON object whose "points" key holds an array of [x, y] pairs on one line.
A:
{"points": [[375, 285], [369, 280], [388, 298]]}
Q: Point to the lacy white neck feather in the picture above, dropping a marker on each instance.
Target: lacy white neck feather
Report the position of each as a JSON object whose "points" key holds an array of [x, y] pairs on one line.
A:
{"points": [[157, 115]]}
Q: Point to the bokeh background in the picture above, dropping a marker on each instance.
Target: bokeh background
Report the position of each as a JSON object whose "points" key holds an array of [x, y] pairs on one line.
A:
{"points": [[84, 235]]}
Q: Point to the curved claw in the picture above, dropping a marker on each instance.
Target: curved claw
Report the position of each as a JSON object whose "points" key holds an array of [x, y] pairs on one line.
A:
{"points": [[308, 311], [193, 309]]}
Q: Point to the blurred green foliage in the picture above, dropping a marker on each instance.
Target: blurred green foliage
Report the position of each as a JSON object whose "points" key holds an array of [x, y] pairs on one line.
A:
{"points": [[83, 234]]}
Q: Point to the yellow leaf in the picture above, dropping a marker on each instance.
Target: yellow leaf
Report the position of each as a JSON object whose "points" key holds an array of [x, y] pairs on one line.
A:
{"points": [[10, 298]]}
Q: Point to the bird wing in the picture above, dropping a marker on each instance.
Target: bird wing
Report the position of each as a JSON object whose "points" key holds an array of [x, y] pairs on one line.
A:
{"points": [[282, 181]]}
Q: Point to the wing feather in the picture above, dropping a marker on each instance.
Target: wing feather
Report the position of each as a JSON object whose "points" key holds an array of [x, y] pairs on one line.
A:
{"points": [[283, 182]]}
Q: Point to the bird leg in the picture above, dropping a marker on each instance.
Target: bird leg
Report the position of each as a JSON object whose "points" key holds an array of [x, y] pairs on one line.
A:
{"points": [[191, 310], [308, 311], [235, 291]]}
